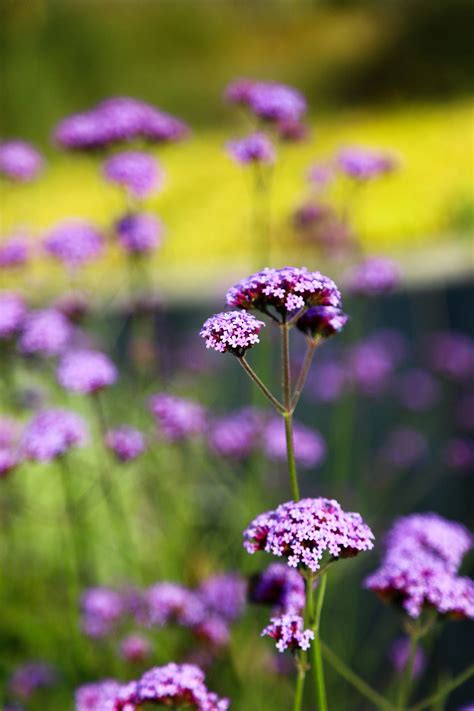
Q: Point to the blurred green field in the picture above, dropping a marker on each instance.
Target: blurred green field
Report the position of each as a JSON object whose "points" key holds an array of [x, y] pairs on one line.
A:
{"points": [[206, 202]]}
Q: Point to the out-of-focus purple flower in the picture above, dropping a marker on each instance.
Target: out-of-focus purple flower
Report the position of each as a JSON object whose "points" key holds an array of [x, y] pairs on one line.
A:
{"points": [[311, 214], [177, 417], [8, 461], [29, 678], [46, 333], [416, 389], [289, 633], [99, 696], [9, 432], [224, 595], [135, 648], [235, 435], [74, 305], [373, 277], [12, 313], [74, 242], [136, 171], [267, 100], [139, 233], [364, 163], [232, 332], [239, 91], [370, 366], [322, 321], [303, 531], [321, 174], [292, 130], [101, 609], [126, 443], [459, 454], [309, 445], [173, 603], [399, 654], [14, 251], [52, 433], [281, 587], [19, 161], [256, 148], [330, 382], [213, 631], [465, 411], [452, 354], [177, 685], [404, 447], [86, 372], [286, 290]]}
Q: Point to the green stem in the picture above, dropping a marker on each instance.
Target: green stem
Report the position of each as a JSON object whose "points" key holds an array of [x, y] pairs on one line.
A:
{"points": [[303, 374], [260, 384], [288, 414], [445, 690], [320, 684], [355, 680], [407, 675], [295, 490], [302, 660]]}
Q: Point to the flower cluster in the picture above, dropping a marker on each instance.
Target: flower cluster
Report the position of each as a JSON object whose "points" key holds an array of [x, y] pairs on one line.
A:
{"points": [[177, 417], [303, 531], [86, 372], [101, 608], [12, 313], [137, 172], [286, 290], [52, 433], [19, 161], [126, 443], [14, 251], [364, 163], [269, 101], [74, 242], [115, 121], [231, 331], [46, 332], [419, 568], [322, 321], [281, 587], [31, 676], [139, 232], [236, 435], [452, 355], [374, 276], [135, 648], [256, 148], [289, 633]]}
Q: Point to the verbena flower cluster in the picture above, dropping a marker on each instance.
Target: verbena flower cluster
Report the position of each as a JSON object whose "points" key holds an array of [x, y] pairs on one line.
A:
{"points": [[256, 148], [419, 568], [74, 242], [303, 531], [452, 355], [19, 161], [101, 609], [177, 418], [232, 332], [279, 586], [28, 678], [127, 443], [86, 371], [374, 276], [46, 332], [118, 120], [236, 435], [267, 100], [14, 251], [136, 171], [52, 433], [364, 163], [289, 633], [286, 290], [12, 313], [139, 232], [322, 321]]}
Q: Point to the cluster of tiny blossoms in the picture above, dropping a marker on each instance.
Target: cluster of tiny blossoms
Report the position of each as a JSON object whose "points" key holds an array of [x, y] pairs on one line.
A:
{"points": [[267, 100], [14, 251], [127, 443], [139, 232], [52, 433], [374, 276], [231, 331], [362, 163], [12, 313], [46, 332], [281, 587], [74, 242], [136, 171], [19, 161], [289, 633], [177, 417], [419, 568], [256, 148], [303, 531], [86, 372]]}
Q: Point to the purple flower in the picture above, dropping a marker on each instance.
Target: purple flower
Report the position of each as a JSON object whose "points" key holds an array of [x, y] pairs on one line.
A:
{"points": [[45, 333], [19, 161], [9, 432], [12, 313], [126, 443], [52, 433], [86, 372], [309, 445], [160, 127], [99, 696], [177, 685], [74, 242], [452, 355], [30, 677], [224, 595], [178, 418], [236, 435], [459, 454], [213, 631], [8, 461], [363, 163], [256, 148], [101, 609], [73, 305], [303, 531], [135, 648], [416, 389], [139, 233], [267, 100], [370, 366], [286, 290], [373, 277], [330, 382], [14, 251], [292, 130], [239, 91], [281, 587], [173, 603], [289, 633], [404, 447], [137, 172], [399, 654], [231, 332], [310, 215], [322, 321], [465, 411]]}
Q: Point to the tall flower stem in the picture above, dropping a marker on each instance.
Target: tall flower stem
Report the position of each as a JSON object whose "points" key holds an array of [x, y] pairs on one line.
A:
{"points": [[303, 374], [302, 659], [415, 631], [261, 385], [318, 669], [288, 413]]}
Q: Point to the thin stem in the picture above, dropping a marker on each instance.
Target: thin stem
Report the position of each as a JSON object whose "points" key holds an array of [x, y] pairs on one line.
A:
{"points": [[303, 374], [445, 690], [355, 680], [295, 490], [260, 384], [302, 660], [287, 414], [320, 684], [407, 675]]}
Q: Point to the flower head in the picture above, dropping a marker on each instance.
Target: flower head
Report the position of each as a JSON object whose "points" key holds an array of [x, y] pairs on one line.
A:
{"points": [[235, 435], [28, 678], [256, 148], [126, 443], [101, 609], [176, 685], [231, 332], [137, 172], [52, 433], [374, 276], [224, 595], [19, 161], [281, 587], [86, 372], [12, 313], [74, 242], [416, 389], [302, 531], [46, 332], [135, 648], [14, 251], [8, 461], [178, 417], [139, 233], [267, 100], [286, 290], [173, 603], [322, 321], [289, 633], [452, 354], [309, 445], [99, 696], [364, 163]]}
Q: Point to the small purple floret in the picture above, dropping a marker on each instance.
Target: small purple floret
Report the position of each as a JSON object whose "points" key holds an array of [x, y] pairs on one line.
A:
{"points": [[231, 332]]}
